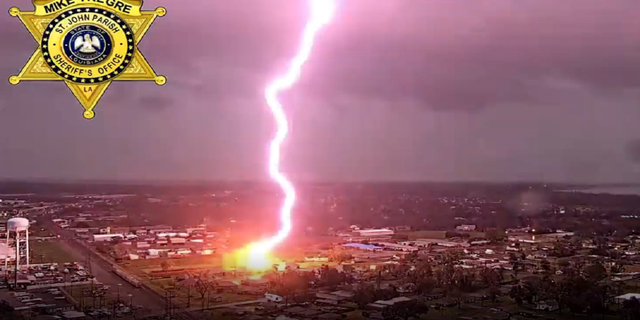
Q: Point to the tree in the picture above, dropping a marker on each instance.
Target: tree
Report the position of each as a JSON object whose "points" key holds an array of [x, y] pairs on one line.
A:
{"points": [[631, 308], [405, 310], [188, 285], [364, 295], [165, 265], [617, 267], [330, 277], [489, 277], [494, 292], [338, 255], [291, 285], [545, 265], [385, 294], [5, 308], [82, 225], [561, 250], [203, 287], [8, 312], [595, 272], [517, 294], [422, 277]]}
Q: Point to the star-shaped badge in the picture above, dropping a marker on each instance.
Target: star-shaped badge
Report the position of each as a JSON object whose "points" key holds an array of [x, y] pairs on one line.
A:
{"points": [[88, 44]]}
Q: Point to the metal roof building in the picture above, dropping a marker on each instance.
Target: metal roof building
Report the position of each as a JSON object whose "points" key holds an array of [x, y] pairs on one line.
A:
{"points": [[362, 246]]}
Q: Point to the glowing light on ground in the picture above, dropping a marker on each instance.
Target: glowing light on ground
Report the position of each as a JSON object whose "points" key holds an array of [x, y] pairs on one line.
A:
{"points": [[258, 254], [252, 260]]}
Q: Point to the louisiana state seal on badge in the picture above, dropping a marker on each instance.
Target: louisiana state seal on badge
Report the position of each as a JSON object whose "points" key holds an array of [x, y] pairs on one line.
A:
{"points": [[87, 44]]}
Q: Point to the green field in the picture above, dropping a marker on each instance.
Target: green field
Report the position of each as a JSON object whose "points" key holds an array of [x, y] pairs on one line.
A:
{"points": [[212, 261], [424, 234], [49, 251], [181, 294], [437, 234]]}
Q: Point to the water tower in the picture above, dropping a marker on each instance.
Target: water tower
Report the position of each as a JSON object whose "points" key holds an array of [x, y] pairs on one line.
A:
{"points": [[18, 229]]}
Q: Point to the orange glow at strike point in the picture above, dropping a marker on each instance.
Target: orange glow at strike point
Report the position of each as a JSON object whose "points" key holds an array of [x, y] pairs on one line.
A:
{"points": [[251, 259], [256, 256]]}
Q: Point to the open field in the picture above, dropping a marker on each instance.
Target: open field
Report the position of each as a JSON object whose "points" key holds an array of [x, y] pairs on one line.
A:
{"points": [[143, 268], [212, 261], [424, 234], [182, 294], [49, 251], [436, 234]]}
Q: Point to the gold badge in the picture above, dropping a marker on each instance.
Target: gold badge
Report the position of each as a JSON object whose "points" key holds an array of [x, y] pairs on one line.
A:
{"points": [[88, 44]]}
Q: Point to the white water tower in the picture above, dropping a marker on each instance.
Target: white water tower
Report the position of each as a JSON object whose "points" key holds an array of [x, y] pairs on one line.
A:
{"points": [[18, 229]]}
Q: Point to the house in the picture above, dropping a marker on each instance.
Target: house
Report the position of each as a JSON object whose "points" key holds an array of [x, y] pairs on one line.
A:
{"points": [[627, 296], [466, 227], [160, 229], [381, 304], [373, 232], [120, 230], [76, 315], [226, 285], [288, 266], [361, 246], [547, 305], [256, 283], [328, 298], [346, 295], [406, 288], [345, 268], [106, 237]]}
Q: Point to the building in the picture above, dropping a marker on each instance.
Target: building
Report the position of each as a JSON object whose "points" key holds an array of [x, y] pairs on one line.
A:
{"points": [[160, 229], [316, 259], [374, 232], [178, 240], [382, 304], [548, 305], [106, 237], [424, 243], [397, 247], [626, 297], [466, 227], [479, 242], [361, 246]]}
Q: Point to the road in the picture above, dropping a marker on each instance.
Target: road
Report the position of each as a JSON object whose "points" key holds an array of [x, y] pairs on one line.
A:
{"points": [[102, 271], [184, 313], [237, 304]]}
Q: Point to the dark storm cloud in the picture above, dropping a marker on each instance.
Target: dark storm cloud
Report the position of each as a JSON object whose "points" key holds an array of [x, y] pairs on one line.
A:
{"points": [[633, 151], [479, 54], [445, 55], [387, 94]]}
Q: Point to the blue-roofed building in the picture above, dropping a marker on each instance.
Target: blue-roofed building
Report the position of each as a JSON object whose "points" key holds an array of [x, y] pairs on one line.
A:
{"points": [[362, 246]]}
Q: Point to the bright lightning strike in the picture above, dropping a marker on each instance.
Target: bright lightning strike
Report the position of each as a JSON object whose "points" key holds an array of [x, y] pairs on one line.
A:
{"points": [[321, 14]]}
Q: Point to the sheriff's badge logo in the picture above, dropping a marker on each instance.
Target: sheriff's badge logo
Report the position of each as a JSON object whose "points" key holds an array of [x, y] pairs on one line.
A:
{"points": [[87, 44]]}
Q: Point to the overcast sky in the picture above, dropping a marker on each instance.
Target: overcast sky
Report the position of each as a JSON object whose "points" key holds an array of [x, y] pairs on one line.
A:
{"points": [[489, 90]]}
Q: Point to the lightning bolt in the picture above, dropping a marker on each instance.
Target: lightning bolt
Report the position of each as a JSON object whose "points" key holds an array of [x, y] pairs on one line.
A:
{"points": [[321, 14]]}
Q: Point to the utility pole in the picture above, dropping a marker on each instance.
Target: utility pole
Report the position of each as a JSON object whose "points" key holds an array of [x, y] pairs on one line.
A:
{"points": [[15, 271], [87, 263], [169, 294]]}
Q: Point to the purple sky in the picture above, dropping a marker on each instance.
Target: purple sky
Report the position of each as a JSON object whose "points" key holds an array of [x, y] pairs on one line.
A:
{"points": [[395, 90]]}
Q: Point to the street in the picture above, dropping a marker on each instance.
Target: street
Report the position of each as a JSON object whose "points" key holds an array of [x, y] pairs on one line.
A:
{"points": [[101, 269]]}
